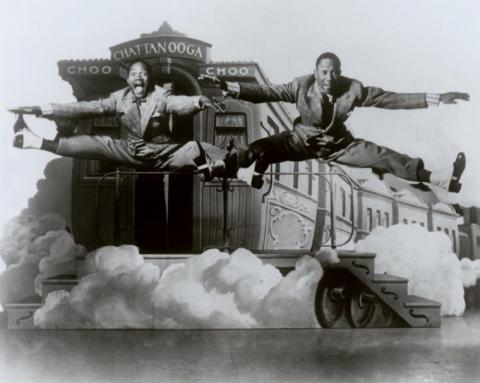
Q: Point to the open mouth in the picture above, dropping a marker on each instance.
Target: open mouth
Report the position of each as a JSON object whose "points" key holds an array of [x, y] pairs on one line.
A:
{"points": [[138, 86]]}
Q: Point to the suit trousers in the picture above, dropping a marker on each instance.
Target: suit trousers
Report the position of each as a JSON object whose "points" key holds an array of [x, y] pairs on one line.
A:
{"points": [[161, 157], [288, 146]]}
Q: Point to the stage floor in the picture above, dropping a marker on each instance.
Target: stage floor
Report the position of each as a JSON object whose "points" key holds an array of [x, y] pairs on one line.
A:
{"points": [[448, 354]]}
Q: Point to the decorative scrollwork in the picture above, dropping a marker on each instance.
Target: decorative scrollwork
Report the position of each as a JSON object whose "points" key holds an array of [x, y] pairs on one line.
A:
{"points": [[360, 266], [392, 293], [28, 316], [292, 201], [278, 214], [419, 316], [327, 234]]}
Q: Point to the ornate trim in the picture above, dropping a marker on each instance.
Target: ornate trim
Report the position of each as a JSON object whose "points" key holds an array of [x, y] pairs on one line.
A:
{"points": [[292, 201], [278, 214]]}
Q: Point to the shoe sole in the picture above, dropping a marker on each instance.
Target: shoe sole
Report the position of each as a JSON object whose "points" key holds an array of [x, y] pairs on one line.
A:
{"points": [[257, 182], [18, 141], [458, 168]]}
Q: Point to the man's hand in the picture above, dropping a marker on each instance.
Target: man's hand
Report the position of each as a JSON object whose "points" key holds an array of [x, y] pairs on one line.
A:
{"points": [[213, 80], [36, 110], [452, 97], [210, 102], [320, 141]]}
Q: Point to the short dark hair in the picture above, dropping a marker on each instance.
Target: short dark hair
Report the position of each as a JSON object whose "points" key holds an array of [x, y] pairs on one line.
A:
{"points": [[147, 66], [331, 56]]}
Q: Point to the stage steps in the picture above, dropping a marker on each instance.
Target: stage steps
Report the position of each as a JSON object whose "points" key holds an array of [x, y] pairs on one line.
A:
{"points": [[370, 299], [20, 314]]}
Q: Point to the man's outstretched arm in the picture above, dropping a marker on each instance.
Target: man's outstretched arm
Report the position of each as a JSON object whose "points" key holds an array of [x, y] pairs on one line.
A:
{"points": [[185, 105], [255, 93], [82, 109], [376, 97]]}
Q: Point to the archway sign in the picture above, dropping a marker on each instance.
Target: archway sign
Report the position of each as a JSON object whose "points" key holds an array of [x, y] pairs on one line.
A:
{"points": [[166, 47], [163, 43]]}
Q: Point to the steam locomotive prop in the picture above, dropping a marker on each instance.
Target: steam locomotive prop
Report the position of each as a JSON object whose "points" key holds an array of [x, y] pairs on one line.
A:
{"points": [[172, 216]]}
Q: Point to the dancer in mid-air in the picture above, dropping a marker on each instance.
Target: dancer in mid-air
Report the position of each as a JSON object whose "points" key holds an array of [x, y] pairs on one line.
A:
{"points": [[325, 100], [143, 109]]}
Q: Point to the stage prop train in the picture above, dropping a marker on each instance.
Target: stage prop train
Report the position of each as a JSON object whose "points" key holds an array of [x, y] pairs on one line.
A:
{"points": [[305, 205]]}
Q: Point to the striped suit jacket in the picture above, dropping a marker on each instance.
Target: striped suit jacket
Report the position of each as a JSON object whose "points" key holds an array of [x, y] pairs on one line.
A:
{"points": [[349, 94]]}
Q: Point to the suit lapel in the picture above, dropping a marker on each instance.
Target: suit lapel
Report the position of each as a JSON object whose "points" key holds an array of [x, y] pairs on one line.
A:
{"points": [[313, 100]]}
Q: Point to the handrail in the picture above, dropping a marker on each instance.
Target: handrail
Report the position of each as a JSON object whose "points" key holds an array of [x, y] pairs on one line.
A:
{"points": [[226, 187]]}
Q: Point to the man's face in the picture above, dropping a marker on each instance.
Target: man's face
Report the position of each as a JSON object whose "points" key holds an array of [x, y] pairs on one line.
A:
{"points": [[138, 79], [326, 75]]}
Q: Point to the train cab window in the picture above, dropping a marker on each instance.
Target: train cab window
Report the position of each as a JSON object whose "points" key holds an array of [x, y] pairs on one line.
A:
{"points": [[231, 128], [343, 194], [378, 218], [387, 220], [369, 219], [296, 169]]}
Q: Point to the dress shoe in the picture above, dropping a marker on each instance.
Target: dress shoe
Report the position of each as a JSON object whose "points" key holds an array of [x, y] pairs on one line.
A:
{"points": [[26, 139], [449, 179]]}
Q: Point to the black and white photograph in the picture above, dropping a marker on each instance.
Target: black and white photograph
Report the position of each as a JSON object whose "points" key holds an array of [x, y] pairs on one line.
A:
{"points": [[240, 191]]}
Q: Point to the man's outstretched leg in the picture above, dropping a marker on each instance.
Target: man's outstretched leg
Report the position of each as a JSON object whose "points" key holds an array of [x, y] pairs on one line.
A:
{"points": [[254, 161], [381, 160], [91, 147]]}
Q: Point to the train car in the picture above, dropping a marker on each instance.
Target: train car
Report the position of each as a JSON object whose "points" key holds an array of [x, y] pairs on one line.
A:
{"points": [[180, 213]]}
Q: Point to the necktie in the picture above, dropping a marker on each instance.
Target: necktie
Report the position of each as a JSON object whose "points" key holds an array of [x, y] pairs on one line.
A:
{"points": [[327, 110]]}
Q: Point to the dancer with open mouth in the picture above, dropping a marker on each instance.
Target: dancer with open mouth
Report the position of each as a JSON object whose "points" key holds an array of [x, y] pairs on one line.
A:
{"points": [[143, 109]]}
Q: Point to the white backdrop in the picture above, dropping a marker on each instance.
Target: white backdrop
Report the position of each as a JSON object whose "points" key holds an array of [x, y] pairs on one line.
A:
{"points": [[429, 45]]}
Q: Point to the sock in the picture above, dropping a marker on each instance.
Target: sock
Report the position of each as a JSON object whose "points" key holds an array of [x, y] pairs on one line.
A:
{"points": [[49, 145], [231, 165], [423, 175]]}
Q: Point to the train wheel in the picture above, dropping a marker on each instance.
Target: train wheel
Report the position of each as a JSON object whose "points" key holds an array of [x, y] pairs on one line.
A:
{"points": [[329, 302], [360, 306]]}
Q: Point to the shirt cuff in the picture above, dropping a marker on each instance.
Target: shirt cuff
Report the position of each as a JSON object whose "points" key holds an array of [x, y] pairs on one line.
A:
{"points": [[47, 110], [233, 89], [197, 103], [432, 99]]}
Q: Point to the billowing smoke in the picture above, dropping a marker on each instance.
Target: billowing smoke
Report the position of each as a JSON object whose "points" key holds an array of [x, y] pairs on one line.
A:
{"points": [[21, 231], [117, 292], [211, 290], [470, 271], [33, 250], [426, 259]]}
